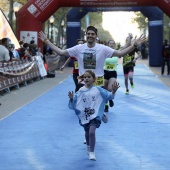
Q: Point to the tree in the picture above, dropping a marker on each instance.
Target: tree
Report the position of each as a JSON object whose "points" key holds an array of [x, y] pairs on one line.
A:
{"points": [[10, 15], [23, 2], [59, 15], [166, 27], [141, 20], [11, 11]]}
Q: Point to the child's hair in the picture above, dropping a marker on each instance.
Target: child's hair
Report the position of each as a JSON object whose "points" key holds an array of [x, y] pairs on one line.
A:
{"points": [[90, 72]]}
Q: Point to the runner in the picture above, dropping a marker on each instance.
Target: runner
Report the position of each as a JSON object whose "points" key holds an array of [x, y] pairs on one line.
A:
{"points": [[87, 104]]}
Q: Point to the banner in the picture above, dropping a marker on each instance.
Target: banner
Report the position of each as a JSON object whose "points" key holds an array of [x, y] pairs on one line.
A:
{"points": [[6, 30], [41, 67], [52, 62]]}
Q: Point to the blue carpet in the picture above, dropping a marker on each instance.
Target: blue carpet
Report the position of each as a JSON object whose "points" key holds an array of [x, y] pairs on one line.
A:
{"points": [[45, 134]]}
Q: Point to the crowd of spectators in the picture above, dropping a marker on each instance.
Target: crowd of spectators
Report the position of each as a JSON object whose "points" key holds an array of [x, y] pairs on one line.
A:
{"points": [[8, 52]]}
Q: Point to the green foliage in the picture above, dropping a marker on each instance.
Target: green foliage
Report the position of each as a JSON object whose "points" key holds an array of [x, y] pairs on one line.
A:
{"points": [[141, 20], [166, 27], [23, 2]]}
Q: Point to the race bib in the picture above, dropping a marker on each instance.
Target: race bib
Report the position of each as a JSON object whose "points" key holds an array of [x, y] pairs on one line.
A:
{"points": [[110, 66], [128, 59], [99, 81], [76, 65]]}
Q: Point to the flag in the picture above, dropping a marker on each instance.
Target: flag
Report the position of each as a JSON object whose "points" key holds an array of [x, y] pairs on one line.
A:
{"points": [[6, 30]]}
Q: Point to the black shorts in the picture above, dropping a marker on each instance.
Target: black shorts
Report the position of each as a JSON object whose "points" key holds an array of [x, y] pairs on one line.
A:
{"points": [[126, 70], [110, 74]]}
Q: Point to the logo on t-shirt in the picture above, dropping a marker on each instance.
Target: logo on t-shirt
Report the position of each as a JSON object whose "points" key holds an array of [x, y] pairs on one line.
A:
{"points": [[89, 60]]}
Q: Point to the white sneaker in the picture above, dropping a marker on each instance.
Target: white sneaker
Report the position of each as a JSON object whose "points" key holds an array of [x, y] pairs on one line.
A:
{"points": [[84, 141], [105, 118], [88, 150], [92, 156]]}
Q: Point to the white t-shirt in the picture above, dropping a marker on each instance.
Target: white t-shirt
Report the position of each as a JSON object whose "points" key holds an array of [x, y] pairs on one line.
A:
{"points": [[89, 103], [91, 58], [4, 53]]}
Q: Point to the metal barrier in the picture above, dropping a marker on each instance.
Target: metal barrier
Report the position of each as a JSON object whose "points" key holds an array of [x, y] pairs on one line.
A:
{"points": [[13, 73]]}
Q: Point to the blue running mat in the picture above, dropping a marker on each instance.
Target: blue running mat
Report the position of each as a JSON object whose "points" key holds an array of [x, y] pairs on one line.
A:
{"points": [[45, 134]]}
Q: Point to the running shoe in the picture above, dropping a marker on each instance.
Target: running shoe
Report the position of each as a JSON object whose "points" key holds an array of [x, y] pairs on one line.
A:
{"points": [[84, 141], [106, 109], [127, 91], [105, 118], [92, 156], [111, 103], [132, 85]]}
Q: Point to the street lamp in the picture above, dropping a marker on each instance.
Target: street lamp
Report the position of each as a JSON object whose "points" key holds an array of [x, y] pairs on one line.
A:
{"points": [[62, 29], [16, 9], [51, 22]]}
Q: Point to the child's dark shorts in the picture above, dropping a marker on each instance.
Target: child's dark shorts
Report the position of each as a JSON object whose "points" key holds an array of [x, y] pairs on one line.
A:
{"points": [[94, 122]]}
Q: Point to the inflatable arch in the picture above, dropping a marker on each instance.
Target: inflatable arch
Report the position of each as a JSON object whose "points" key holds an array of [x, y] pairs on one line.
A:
{"points": [[34, 13], [153, 14]]}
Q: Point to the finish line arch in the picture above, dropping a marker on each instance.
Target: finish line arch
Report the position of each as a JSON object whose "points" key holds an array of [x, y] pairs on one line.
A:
{"points": [[31, 17], [154, 15]]}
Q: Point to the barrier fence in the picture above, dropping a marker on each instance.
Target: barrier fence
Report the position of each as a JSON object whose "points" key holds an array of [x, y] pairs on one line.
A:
{"points": [[14, 73]]}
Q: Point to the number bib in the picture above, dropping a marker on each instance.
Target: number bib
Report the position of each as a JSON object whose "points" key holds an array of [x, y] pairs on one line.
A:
{"points": [[128, 59], [99, 81], [110, 66], [76, 65]]}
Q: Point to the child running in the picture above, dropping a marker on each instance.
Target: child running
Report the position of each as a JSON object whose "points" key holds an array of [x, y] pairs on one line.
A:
{"points": [[88, 104]]}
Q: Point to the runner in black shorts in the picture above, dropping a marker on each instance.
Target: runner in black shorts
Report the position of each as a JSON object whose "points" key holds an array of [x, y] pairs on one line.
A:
{"points": [[128, 67]]}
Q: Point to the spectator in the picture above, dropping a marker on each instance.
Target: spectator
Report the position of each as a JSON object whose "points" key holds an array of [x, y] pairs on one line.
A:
{"points": [[38, 52], [165, 56], [10, 52], [4, 52], [47, 49], [14, 51], [32, 48], [143, 50]]}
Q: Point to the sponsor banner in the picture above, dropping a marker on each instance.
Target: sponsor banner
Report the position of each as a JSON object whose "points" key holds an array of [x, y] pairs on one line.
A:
{"points": [[52, 62], [73, 24], [156, 23], [108, 3], [41, 67], [27, 36]]}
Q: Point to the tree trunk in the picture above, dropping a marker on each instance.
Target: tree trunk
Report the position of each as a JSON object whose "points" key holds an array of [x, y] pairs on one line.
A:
{"points": [[10, 15]]}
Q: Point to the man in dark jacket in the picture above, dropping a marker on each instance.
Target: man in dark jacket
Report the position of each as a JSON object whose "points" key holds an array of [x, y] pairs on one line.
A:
{"points": [[165, 56]]}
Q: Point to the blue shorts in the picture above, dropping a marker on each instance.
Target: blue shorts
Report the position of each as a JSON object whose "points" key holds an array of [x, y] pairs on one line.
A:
{"points": [[94, 122]]}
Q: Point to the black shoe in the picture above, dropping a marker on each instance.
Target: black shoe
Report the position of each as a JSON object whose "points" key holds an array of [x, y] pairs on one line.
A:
{"points": [[106, 109], [111, 103]]}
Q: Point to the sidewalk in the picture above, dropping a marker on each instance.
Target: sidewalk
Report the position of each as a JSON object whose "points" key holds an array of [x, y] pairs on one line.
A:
{"points": [[18, 98], [157, 71]]}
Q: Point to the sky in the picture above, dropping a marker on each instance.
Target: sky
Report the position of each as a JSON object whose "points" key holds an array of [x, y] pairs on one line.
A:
{"points": [[119, 25]]}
